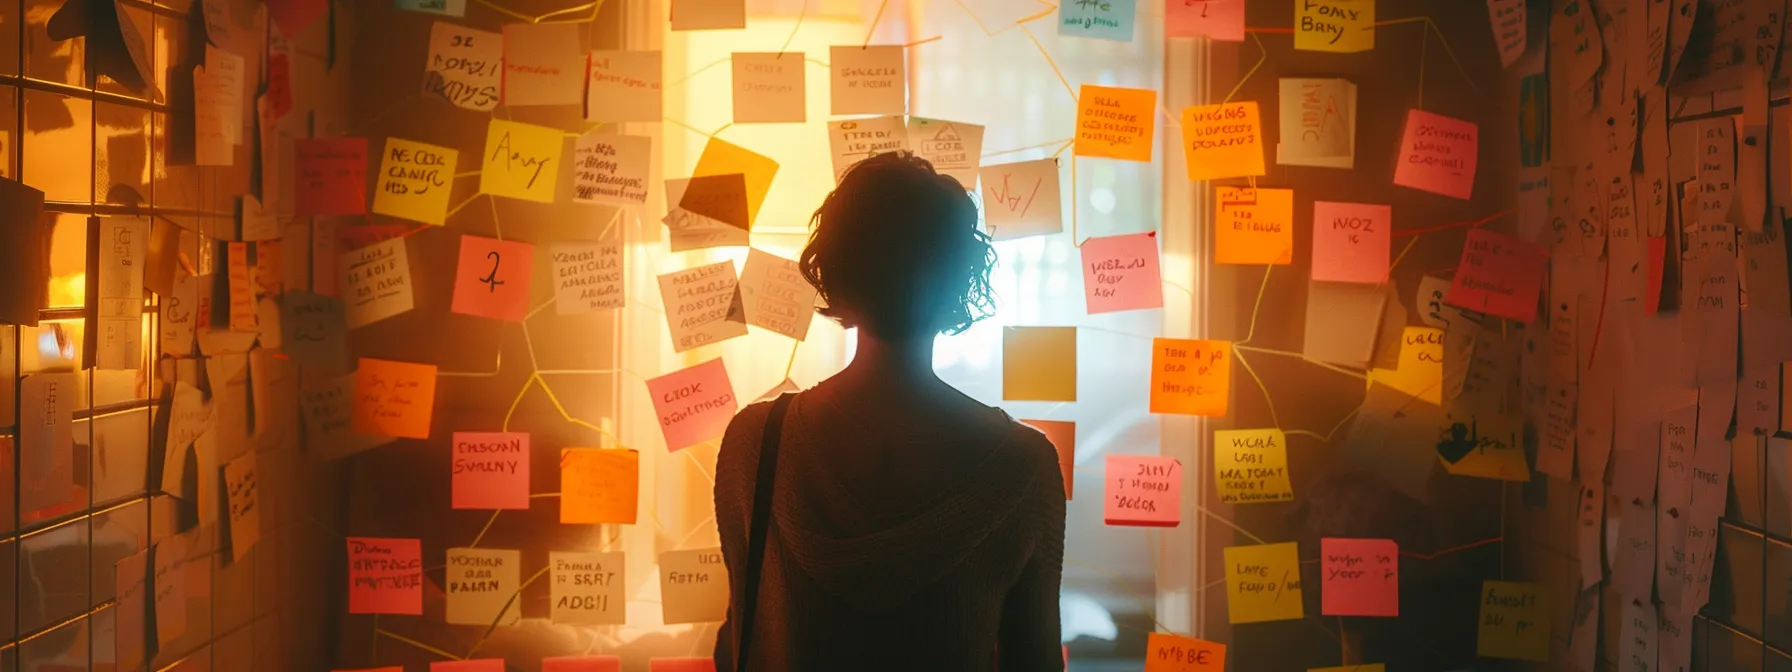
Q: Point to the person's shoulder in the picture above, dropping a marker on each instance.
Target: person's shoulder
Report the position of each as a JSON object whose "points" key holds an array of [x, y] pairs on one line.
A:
{"points": [[1037, 449]]}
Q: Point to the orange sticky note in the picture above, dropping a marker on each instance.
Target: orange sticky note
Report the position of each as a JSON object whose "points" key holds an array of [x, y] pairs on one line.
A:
{"points": [[1190, 377], [1143, 490], [1351, 242], [1115, 123], [394, 398], [332, 176], [1062, 434], [1253, 226], [492, 279], [582, 664], [721, 157], [1437, 154], [1499, 275], [693, 405], [599, 485], [1360, 577], [481, 665], [1039, 363], [491, 470], [1121, 273], [1224, 140], [385, 576], [681, 665], [1169, 653]]}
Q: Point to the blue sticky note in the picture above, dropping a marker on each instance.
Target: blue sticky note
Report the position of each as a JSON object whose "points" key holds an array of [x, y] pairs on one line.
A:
{"points": [[444, 7], [1098, 19]]}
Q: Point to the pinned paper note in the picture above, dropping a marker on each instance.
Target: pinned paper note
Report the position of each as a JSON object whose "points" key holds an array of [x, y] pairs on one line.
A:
{"points": [[721, 157], [131, 624], [722, 198], [709, 14], [769, 87], [243, 500], [124, 248], [624, 86], [1098, 19], [1263, 583], [414, 182], [492, 279], [703, 305], [611, 168], [1115, 123], [1360, 577], [241, 297], [1514, 621], [693, 405], [1190, 377], [490, 470], [598, 485], [332, 176], [1251, 466], [177, 325], [587, 276], [1499, 275], [585, 589], [312, 330], [1253, 226], [521, 161], [1437, 154], [1343, 322], [868, 80], [1223, 140], [47, 403], [693, 586], [394, 398], [1351, 242], [543, 64], [1170, 653], [1508, 19], [385, 576], [482, 586], [329, 409], [1062, 434], [217, 110], [1143, 490], [1022, 199], [1121, 273], [1318, 123], [376, 282], [775, 294], [1039, 363], [954, 148], [854, 140], [169, 583], [1220, 20], [691, 231], [1342, 26], [465, 66]]}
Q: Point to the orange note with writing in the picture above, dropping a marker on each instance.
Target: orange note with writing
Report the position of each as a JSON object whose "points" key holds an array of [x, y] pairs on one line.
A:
{"points": [[394, 398], [1224, 140], [599, 485], [1169, 653], [1115, 123], [1190, 377], [1253, 226]]}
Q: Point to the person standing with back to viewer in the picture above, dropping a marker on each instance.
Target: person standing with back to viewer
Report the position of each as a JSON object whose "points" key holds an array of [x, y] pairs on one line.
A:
{"points": [[906, 526]]}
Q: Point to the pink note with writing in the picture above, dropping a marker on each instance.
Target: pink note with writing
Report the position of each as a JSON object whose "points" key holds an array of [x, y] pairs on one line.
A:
{"points": [[385, 576], [491, 470], [681, 665], [1361, 577], [1221, 20], [1143, 490], [481, 665], [331, 175], [1121, 273], [1351, 241], [582, 664], [1437, 154], [492, 278], [1498, 275], [693, 405]]}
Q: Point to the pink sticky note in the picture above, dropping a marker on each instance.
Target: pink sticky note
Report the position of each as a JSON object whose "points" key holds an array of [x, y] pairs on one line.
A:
{"points": [[582, 664], [1498, 275], [385, 576], [481, 665], [681, 665], [1221, 20], [491, 470], [693, 405], [293, 16], [1120, 273], [1437, 154], [1361, 577], [1144, 490], [1351, 241], [332, 176], [492, 278]]}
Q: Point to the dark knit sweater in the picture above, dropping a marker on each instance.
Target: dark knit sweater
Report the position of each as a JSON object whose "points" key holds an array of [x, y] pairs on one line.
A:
{"points": [[953, 572]]}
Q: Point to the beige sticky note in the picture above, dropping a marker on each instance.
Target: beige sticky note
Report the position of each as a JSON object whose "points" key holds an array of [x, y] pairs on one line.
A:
{"points": [[131, 624], [769, 87], [1253, 226], [124, 248], [702, 305], [1515, 621], [521, 161], [1022, 199], [709, 14], [1263, 583], [169, 586], [376, 282], [244, 500], [611, 168], [775, 294], [693, 586], [624, 86], [482, 585], [693, 231], [543, 64], [587, 276], [415, 181], [465, 66], [1343, 321], [1039, 363], [1318, 123], [1343, 26], [1251, 466], [868, 80], [854, 140], [586, 588], [954, 148]]}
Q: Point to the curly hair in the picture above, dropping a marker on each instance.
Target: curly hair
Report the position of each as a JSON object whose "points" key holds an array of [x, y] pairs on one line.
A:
{"points": [[895, 250]]}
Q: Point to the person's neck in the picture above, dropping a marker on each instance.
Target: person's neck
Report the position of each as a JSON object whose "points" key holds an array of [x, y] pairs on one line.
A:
{"points": [[906, 362]]}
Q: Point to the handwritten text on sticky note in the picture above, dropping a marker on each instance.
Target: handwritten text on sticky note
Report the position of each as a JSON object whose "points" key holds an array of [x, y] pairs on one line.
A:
{"points": [[599, 485], [332, 176], [482, 585], [465, 66], [1144, 490], [1515, 621], [868, 79], [610, 168], [1343, 26], [775, 295], [1499, 275], [521, 161], [1438, 154], [394, 398], [385, 576], [376, 282], [1190, 377], [415, 180], [1263, 583], [1115, 123], [1351, 242], [492, 279], [587, 276], [1252, 466], [1253, 226], [693, 405], [491, 470], [1021, 199], [1359, 577], [624, 86], [1223, 140], [1121, 273], [586, 589]]}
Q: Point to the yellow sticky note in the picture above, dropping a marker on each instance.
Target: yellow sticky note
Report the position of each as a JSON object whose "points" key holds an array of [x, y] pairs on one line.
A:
{"points": [[599, 485], [521, 161], [1263, 583], [1493, 445], [1039, 363], [1115, 123], [1252, 466], [1365, 667], [1420, 371], [1514, 621], [1253, 226], [1224, 140], [721, 157], [1341, 26], [1190, 377]]}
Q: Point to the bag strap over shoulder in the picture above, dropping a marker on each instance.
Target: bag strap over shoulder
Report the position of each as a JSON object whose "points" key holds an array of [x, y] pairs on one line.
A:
{"points": [[763, 486]]}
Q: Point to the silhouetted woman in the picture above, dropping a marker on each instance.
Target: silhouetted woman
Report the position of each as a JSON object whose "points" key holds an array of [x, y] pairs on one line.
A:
{"points": [[912, 528]]}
